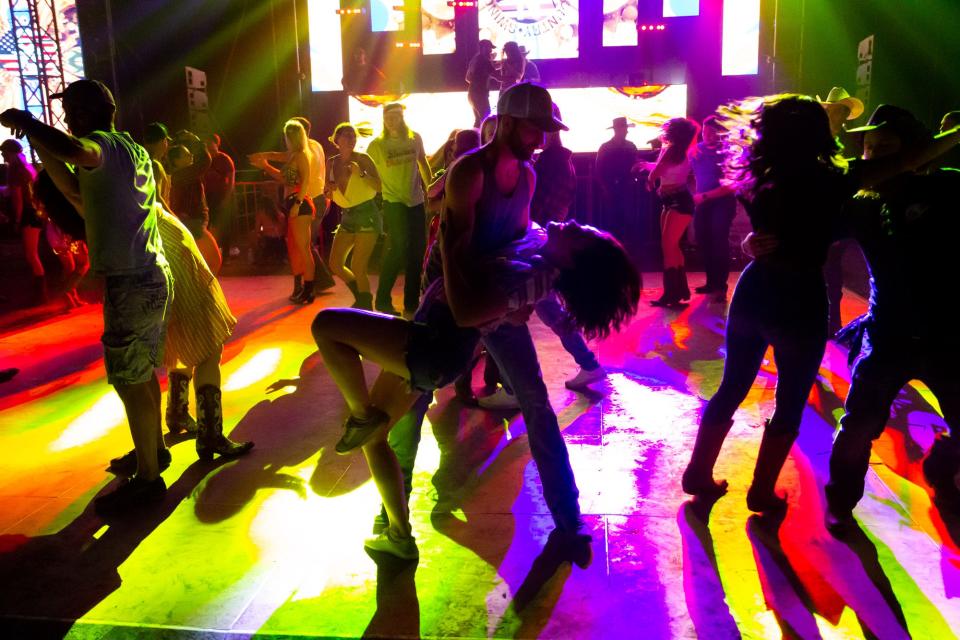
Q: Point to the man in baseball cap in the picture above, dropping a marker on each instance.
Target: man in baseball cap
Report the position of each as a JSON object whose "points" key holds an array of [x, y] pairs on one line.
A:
{"points": [[488, 194], [114, 189], [532, 102]]}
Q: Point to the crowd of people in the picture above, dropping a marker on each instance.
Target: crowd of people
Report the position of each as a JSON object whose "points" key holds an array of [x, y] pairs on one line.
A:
{"points": [[484, 237]]}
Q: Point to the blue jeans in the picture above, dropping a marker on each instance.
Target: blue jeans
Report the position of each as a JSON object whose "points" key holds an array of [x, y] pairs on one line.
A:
{"points": [[711, 224], [406, 229], [404, 438], [552, 313], [785, 310], [512, 348]]}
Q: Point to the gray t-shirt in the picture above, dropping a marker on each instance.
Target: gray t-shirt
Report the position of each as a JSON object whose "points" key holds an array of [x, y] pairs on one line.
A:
{"points": [[396, 162], [118, 199]]}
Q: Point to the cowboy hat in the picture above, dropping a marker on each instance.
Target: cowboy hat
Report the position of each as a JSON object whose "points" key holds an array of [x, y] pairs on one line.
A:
{"points": [[901, 122], [621, 122], [839, 95]]}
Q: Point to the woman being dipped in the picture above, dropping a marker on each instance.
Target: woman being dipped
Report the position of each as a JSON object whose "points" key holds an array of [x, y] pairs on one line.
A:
{"points": [[672, 169], [353, 183], [588, 269], [294, 175]]}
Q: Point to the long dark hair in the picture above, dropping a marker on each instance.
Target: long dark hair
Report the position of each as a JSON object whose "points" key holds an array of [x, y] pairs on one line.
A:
{"points": [[58, 207], [779, 137], [681, 135], [601, 291]]}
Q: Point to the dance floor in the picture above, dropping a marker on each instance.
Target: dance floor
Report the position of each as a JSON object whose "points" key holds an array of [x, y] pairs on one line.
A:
{"points": [[270, 545]]}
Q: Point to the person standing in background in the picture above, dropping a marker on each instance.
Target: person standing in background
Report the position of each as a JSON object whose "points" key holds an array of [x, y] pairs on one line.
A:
{"points": [[218, 183], [615, 158], [404, 173], [20, 177], [479, 74], [715, 208], [840, 107]]}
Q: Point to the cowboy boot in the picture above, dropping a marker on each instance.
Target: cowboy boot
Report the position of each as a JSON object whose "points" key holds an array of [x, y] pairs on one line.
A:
{"points": [[177, 414], [210, 438], [297, 288], [671, 290], [774, 448], [698, 477], [306, 295], [683, 289], [364, 301]]}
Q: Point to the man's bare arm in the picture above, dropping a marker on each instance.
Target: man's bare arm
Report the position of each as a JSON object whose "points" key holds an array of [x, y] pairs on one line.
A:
{"points": [[58, 144], [63, 178]]}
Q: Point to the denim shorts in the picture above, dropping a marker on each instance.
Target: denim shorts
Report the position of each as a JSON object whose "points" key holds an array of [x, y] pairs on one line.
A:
{"points": [[438, 351], [363, 218], [134, 324]]}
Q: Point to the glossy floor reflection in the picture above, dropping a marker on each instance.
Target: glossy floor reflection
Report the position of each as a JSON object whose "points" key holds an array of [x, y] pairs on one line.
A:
{"points": [[270, 545]]}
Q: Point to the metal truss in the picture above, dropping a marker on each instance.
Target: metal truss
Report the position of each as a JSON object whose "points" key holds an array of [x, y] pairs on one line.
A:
{"points": [[40, 59]]}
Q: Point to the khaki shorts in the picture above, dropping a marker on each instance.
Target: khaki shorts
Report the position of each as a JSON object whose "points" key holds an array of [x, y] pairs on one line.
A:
{"points": [[134, 324]]}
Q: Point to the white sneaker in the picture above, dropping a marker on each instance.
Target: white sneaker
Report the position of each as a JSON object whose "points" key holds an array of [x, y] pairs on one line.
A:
{"points": [[584, 377], [499, 399], [405, 548]]}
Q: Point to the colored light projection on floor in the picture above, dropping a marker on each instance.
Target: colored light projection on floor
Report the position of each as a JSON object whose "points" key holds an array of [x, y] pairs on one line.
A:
{"points": [[270, 543]]}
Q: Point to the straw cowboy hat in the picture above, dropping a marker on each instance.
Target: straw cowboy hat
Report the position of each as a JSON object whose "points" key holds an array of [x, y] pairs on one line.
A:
{"points": [[839, 95]]}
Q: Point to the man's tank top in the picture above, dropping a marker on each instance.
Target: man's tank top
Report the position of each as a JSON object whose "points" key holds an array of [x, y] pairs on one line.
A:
{"points": [[500, 219]]}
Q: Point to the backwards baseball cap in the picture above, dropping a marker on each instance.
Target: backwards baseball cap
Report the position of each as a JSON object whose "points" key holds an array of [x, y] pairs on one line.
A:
{"points": [[11, 146], [92, 94], [155, 132], [897, 120], [531, 102]]}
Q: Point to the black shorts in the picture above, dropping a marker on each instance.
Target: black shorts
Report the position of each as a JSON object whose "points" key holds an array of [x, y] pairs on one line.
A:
{"points": [[307, 208], [438, 351], [30, 218], [679, 201]]}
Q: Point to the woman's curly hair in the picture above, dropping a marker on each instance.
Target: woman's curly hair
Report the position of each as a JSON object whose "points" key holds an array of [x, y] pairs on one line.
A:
{"points": [[775, 138], [602, 288]]}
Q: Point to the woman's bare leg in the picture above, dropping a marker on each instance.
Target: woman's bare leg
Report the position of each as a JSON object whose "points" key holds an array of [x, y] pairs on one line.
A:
{"points": [[342, 242], [344, 336], [362, 250], [391, 394], [301, 238], [293, 252], [31, 244], [674, 226]]}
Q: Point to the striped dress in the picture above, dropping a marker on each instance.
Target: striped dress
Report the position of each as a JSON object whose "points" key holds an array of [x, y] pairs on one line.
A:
{"points": [[200, 319]]}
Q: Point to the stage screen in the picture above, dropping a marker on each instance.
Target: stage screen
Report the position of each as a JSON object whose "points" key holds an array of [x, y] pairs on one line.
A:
{"points": [[326, 48], [547, 28], [620, 23], [437, 27], [741, 38], [386, 15], [588, 112], [680, 8]]}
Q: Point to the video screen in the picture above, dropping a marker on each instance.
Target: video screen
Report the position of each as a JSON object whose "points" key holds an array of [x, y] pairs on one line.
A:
{"points": [[620, 23], [546, 28], [386, 15], [326, 46], [680, 8], [589, 113], [437, 33]]}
